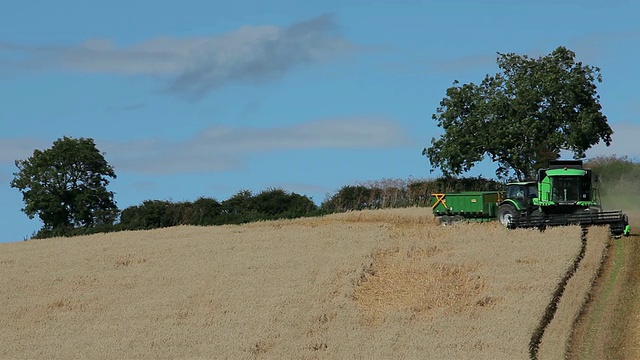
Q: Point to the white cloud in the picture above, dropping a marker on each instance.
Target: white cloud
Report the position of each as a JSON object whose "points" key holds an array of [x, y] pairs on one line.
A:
{"points": [[223, 148], [196, 66]]}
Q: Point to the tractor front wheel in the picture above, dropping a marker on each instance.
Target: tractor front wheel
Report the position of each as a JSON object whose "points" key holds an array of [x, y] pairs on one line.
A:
{"points": [[506, 213]]}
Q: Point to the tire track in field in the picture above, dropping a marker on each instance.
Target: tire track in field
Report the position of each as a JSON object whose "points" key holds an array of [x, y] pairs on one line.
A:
{"points": [[536, 338], [609, 327]]}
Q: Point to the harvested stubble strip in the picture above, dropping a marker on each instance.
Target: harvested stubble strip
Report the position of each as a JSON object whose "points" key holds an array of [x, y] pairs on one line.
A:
{"points": [[555, 341]]}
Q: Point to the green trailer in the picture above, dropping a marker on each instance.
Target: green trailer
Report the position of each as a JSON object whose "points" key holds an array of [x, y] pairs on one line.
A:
{"points": [[476, 206]]}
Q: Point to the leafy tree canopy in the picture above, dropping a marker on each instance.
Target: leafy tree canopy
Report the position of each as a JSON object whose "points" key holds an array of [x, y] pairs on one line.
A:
{"points": [[522, 117], [66, 186]]}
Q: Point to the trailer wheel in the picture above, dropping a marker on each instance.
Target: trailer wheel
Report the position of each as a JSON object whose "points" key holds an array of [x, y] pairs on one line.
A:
{"points": [[445, 220], [457, 218], [506, 213]]}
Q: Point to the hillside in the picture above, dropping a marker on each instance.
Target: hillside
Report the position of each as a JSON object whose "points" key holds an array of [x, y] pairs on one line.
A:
{"points": [[371, 284]]}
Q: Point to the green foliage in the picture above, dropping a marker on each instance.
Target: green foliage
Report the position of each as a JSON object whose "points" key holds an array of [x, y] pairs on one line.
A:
{"points": [[205, 211], [393, 193], [350, 197], [66, 187], [520, 118], [277, 203], [240, 208], [150, 214], [619, 181], [613, 169]]}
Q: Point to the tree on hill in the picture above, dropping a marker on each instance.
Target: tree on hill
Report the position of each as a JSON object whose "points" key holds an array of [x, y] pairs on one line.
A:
{"points": [[277, 203], [520, 118], [66, 186]]}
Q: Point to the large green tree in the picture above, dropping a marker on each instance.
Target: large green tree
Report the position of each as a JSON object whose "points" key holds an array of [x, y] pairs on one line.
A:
{"points": [[522, 117], [66, 186]]}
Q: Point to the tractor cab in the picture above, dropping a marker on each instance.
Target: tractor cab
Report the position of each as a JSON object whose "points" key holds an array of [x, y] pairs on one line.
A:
{"points": [[522, 194]]}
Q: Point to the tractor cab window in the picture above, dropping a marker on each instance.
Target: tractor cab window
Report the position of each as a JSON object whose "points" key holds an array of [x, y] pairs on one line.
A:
{"points": [[517, 192], [566, 188], [532, 191]]}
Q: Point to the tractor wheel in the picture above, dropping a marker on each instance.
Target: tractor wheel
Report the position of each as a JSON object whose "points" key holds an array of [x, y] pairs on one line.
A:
{"points": [[506, 213]]}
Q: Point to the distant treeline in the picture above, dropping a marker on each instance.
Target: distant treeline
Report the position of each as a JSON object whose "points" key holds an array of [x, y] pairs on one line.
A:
{"points": [[272, 204], [619, 179], [616, 172], [241, 208]]}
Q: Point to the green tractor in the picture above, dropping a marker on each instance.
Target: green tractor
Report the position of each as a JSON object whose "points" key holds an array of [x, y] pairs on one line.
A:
{"points": [[563, 194]]}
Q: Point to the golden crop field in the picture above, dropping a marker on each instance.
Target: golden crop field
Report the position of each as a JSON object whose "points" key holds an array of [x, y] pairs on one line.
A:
{"points": [[371, 284]]}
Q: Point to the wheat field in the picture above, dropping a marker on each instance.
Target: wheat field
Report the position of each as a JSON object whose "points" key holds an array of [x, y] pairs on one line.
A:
{"points": [[371, 284]]}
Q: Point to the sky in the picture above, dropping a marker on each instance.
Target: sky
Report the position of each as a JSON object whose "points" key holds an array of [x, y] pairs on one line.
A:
{"points": [[192, 99]]}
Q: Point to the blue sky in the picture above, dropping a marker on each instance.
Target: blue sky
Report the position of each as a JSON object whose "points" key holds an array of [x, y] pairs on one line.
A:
{"points": [[205, 98]]}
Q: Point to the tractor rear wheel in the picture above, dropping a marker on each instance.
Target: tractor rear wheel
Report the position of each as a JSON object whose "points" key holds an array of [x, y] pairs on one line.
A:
{"points": [[506, 213]]}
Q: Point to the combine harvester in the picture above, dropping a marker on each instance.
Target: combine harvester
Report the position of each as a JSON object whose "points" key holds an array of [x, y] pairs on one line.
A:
{"points": [[564, 194]]}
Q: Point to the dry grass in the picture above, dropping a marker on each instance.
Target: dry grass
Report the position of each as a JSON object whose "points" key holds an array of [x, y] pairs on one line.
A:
{"points": [[372, 284], [408, 281]]}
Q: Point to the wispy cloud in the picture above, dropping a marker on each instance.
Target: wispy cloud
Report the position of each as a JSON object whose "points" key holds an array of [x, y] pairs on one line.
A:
{"points": [[604, 46], [124, 108], [196, 66], [557, 3], [12, 149], [597, 4], [223, 148], [625, 142]]}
